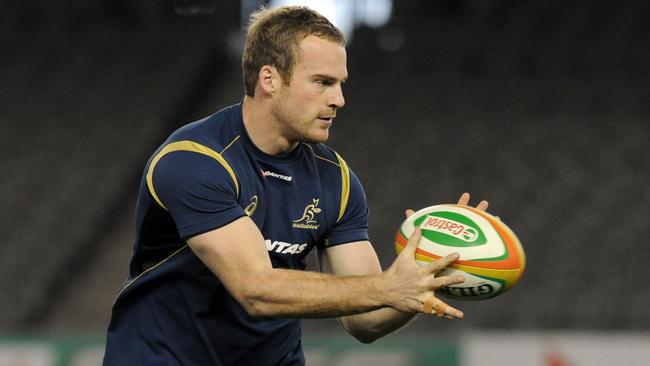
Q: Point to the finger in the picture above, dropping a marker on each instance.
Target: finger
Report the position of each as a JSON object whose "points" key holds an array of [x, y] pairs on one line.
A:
{"points": [[437, 266], [452, 312], [412, 244], [444, 281], [437, 307], [408, 212], [464, 199], [483, 205]]}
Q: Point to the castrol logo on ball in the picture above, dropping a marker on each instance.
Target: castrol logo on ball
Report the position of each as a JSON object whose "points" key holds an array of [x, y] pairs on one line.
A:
{"points": [[491, 257], [451, 229]]}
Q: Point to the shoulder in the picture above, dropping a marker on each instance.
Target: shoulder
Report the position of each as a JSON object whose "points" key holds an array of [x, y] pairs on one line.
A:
{"points": [[192, 157], [205, 140], [215, 132]]}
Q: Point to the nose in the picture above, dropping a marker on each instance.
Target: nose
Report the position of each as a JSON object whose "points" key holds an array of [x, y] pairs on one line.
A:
{"points": [[336, 99]]}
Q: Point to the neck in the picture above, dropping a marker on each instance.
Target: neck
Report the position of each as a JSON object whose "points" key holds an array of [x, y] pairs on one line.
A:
{"points": [[263, 129]]}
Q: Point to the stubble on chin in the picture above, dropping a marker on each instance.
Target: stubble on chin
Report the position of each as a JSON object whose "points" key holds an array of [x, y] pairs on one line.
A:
{"points": [[307, 136], [295, 130]]}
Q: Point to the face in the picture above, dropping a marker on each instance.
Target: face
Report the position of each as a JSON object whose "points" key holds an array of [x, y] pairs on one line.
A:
{"points": [[305, 108]]}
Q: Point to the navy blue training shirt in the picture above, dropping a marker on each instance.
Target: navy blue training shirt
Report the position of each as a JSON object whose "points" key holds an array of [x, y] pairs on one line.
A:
{"points": [[173, 310]]}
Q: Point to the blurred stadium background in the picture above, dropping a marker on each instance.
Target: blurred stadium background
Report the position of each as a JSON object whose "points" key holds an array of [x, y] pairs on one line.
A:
{"points": [[541, 107]]}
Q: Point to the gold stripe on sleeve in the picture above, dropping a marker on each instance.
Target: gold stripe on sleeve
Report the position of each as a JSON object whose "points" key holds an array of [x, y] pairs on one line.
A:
{"points": [[345, 185], [191, 146]]}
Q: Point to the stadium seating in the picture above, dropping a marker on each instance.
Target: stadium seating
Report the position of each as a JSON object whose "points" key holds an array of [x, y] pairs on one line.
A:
{"points": [[540, 107]]}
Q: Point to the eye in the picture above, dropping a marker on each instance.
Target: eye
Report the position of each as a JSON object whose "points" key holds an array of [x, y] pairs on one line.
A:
{"points": [[324, 82]]}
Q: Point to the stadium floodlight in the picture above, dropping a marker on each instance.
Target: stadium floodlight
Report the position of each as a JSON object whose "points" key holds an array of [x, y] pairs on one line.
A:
{"points": [[348, 14]]}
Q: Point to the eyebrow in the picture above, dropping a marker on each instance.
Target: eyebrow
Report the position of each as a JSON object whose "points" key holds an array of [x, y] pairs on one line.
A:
{"points": [[328, 77]]}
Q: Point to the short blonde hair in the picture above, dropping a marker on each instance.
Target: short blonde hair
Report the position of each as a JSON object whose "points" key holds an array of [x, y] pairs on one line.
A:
{"points": [[273, 38]]}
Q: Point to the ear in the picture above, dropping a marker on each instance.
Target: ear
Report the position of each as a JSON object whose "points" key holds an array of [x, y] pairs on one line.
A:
{"points": [[269, 79]]}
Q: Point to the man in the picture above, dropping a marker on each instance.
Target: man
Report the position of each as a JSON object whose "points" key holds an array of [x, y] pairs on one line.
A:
{"points": [[229, 207]]}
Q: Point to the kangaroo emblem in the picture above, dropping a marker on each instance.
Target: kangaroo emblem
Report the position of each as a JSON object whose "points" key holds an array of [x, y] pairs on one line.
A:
{"points": [[308, 214]]}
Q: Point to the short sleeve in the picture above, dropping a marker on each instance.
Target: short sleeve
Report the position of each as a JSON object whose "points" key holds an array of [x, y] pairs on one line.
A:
{"points": [[353, 225], [197, 190]]}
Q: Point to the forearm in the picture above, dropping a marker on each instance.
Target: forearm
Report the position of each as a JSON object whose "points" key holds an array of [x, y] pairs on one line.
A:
{"points": [[370, 326], [291, 293], [246, 271]]}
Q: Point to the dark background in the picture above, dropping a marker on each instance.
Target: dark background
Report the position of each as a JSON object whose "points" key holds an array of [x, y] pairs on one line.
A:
{"points": [[541, 107]]}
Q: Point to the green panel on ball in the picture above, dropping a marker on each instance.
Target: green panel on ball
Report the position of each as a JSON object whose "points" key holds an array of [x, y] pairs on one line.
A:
{"points": [[450, 229]]}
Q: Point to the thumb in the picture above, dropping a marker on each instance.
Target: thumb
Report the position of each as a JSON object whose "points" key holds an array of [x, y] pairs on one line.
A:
{"points": [[413, 242]]}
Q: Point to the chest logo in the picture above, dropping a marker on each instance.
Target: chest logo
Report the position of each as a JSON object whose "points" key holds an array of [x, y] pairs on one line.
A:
{"points": [[268, 173], [284, 247], [252, 206], [308, 219]]}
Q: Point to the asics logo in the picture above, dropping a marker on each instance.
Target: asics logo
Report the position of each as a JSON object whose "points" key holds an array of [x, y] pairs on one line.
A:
{"points": [[252, 206]]}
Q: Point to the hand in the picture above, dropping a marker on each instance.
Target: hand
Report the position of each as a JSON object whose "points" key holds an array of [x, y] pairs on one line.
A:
{"points": [[411, 286], [464, 201]]}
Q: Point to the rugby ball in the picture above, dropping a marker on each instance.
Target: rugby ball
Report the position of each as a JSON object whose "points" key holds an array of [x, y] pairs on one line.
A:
{"points": [[491, 257]]}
